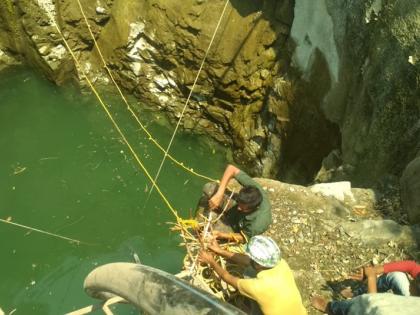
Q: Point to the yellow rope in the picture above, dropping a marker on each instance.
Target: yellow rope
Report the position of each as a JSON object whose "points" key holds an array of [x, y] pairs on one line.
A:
{"points": [[43, 232], [150, 137], [139, 162]]}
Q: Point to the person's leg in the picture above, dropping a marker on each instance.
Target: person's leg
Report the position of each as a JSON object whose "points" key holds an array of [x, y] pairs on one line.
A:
{"points": [[395, 281], [332, 307]]}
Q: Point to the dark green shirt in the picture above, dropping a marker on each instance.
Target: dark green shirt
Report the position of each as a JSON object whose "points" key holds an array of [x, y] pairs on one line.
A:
{"points": [[256, 222]]}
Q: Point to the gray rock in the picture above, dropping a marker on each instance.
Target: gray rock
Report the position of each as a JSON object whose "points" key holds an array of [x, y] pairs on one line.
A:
{"points": [[385, 304], [379, 232], [410, 190], [338, 190]]}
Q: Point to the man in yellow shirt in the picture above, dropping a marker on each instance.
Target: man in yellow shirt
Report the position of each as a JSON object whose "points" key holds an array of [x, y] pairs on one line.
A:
{"points": [[273, 288]]}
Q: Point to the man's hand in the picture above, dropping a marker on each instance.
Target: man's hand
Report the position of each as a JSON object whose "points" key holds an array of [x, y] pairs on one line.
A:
{"points": [[206, 257], [216, 200], [234, 237], [214, 246], [216, 234], [369, 271], [358, 276], [363, 273]]}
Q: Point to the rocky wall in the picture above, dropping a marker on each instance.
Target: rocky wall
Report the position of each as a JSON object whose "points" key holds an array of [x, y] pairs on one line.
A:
{"points": [[301, 90], [155, 48], [368, 52]]}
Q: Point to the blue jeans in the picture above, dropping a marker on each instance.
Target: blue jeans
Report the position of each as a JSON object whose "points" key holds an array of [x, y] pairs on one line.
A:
{"points": [[339, 307], [395, 281]]}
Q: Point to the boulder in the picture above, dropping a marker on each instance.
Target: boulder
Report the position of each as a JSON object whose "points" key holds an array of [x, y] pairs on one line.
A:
{"points": [[380, 231], [410, 188], [385, 304], [338, 190]]}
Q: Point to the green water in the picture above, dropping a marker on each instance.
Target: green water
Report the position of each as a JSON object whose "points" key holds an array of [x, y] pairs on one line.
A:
{"points": [[64, 169]]}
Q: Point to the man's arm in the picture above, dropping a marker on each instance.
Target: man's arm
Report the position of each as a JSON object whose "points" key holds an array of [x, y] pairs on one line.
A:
{"points": [[240, 259], [207, 258], [216, 200], [234, 237], [371, 279], [408, 266]]}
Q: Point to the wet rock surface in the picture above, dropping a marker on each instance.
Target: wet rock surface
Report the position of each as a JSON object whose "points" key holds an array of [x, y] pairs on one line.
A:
{"points": [[410, 188]]}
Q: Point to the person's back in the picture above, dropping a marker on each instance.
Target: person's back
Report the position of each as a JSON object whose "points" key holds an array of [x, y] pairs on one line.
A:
{"points": [[274, 290]]}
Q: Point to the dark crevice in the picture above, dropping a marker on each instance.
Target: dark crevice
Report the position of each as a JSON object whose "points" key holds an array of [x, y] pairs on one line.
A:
{"points": [[311, 137]]}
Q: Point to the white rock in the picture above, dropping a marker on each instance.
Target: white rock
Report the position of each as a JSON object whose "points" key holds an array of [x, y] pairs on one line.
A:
{"points": [[100, 10], [265, 73], [337, 190], [135, 30], [58, 52], [411, 60], [163, 98], [49, 8], [136, 67], [43, 50], [312, 30], [138, 46], [171, 82], [161, 81]]}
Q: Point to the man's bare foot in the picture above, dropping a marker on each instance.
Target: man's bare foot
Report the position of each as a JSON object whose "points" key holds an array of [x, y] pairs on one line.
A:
{"points": [[347, 293], [319, 303]]}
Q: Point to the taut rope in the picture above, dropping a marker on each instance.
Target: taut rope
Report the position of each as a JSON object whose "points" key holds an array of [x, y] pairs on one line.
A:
{"points": [[150, 137], [189, 96]]}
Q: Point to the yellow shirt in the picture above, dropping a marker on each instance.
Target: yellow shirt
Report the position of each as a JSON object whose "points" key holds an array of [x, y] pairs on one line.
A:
{"points": [[274, 290]]}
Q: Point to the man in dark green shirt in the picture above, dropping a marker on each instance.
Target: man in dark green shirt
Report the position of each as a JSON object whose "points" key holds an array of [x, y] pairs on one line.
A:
{"points": [[249, 215]]}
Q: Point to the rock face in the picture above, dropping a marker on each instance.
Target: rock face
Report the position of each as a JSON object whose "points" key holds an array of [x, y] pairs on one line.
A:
{"points": [[155, 49], [292, 86], [410, 188], [366, 55]]}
